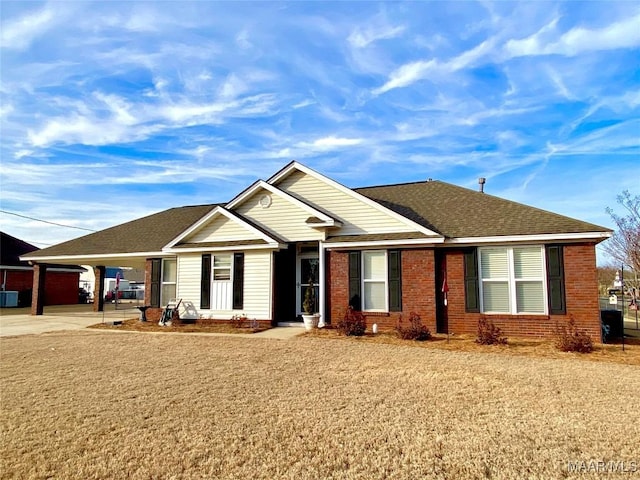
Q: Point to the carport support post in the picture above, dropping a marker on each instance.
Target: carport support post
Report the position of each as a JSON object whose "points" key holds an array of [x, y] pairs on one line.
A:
{"points": [[98, 293], [37, 297]]}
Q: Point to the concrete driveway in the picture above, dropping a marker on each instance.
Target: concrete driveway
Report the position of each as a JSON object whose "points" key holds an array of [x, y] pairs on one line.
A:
{"points": [[19, 321]]}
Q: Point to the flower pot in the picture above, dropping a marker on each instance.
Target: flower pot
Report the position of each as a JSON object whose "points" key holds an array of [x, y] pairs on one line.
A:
{"points": [[310, 321]]}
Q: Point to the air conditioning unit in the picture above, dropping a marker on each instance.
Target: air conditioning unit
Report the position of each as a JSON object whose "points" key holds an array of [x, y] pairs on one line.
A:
{"points": [[8, 299]]}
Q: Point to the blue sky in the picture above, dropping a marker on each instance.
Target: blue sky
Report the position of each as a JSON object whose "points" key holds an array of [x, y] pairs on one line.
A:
{"points": [[114, 110]]}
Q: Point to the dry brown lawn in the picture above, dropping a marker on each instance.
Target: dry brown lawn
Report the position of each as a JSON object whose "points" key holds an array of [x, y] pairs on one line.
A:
{"points": [[96, 405]]}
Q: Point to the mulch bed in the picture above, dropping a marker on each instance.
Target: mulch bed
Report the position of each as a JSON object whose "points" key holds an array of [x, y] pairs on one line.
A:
{"points": [[200, 326]]}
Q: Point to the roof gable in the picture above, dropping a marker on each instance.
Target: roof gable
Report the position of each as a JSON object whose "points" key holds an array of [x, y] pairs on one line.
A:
{"points": [[220, 226], [357, 213]]}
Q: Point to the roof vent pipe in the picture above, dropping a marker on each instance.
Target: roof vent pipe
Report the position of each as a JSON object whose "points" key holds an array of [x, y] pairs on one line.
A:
{"points": [[481, 182]]}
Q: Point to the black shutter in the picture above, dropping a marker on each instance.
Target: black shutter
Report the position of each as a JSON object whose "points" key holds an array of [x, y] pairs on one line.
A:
{"points": [[205, 282], [355, 278], [395, 280], [471, 291], [555, 280], [238, 281], [156, 271]]}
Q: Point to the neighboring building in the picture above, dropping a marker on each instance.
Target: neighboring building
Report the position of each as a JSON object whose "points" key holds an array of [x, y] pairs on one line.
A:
{"points": [[447, 253], [130, 280], [17, 275]]}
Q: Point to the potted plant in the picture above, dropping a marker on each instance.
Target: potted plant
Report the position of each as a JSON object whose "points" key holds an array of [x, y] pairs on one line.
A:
{"points": [[310, 317]]}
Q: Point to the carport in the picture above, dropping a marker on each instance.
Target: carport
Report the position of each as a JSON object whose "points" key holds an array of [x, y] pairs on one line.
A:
{"points": [[133, 244]]}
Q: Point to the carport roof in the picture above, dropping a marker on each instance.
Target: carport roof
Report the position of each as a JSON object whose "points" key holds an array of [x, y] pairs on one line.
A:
{"points": [[147, 234]]}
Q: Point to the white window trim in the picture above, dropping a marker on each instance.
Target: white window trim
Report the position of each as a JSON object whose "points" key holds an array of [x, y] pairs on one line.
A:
{"points": [[214, 268], [164, 301], [512, 281], [385, 280]]}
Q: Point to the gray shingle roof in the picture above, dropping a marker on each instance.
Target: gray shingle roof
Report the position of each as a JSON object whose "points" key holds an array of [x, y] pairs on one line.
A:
{"points": [[457, 212], [147, 234], [446, 209]]}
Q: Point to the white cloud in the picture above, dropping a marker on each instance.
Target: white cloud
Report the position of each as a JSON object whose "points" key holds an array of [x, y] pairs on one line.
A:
{"points": [[362, 37], [18, 34], [406, 75], [325, 143], [420, 70], [304, 103], [330, 142], [22, 153], [622, 34], [470, 56], [6, 109], [232, 87], [559, 83], [242, 40]]}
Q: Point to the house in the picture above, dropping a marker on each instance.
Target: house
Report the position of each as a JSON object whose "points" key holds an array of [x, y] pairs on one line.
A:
{"points": [[447, 253], [61, 287]]}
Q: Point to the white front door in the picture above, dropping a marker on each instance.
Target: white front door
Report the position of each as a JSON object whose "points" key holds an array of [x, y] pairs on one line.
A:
{"points": [[308, 270]]}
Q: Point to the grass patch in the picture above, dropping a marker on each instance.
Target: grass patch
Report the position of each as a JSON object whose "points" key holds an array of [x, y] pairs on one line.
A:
{"points": [[87, 404], [200, 326]]}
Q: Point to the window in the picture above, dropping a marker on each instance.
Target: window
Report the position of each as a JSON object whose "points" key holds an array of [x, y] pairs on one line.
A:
{"points": [[222, 281], [169, 275], [512, 280], [221, 268], [374, 280]]}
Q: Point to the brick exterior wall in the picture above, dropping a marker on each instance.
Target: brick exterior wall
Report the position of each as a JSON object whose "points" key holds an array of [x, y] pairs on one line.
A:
{"points": [[419, 294], [418, 289], [61, 288], [581, 288]]}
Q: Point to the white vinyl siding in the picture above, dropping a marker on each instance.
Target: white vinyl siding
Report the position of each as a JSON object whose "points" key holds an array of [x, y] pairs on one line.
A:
{"points": [[221, 229], [374, 281], [513, 280], [189, 269], [257, 285], [357, 216], [282, 217]]}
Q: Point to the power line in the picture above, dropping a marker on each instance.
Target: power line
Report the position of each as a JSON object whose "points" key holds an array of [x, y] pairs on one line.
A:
{"points": [[45, 221]]}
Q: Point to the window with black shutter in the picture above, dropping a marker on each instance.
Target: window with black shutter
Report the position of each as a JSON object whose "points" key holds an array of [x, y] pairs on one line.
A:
{"points": [[156, 267], [355, 280], [395, 280], [205, 282], [471, 287], [238, 281], [555, 280]]}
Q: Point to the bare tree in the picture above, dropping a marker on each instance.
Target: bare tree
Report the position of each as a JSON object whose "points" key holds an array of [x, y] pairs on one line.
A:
{"points": [[624, 245]]}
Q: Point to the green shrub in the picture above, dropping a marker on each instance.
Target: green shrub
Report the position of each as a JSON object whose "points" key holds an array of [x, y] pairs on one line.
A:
{"points": [[353, 323], [570, 339], [415, 330], [489, 334]]}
